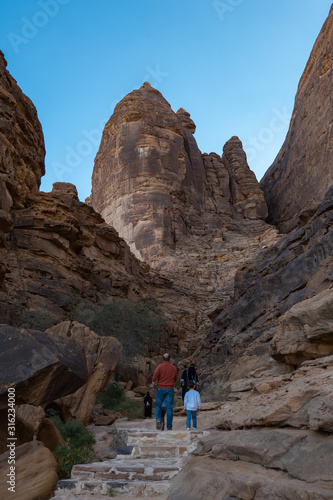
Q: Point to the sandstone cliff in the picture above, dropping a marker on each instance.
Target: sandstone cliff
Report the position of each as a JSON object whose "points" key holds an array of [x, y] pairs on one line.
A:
{"points": [[302, 172], [21, 145], [152, 184], [193, 217]]}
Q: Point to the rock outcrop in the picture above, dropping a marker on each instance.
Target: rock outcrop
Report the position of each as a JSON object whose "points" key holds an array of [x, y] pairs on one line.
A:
{"points": [[21, 146], [193, 217], [39, 366], [35, 473], [267, 326], [152, 184], [61, 252], [102, 355], [302, 172], [258, 464]]}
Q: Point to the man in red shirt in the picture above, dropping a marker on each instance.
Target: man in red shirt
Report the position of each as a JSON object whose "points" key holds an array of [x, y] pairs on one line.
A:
{"points": [[166, 376]]}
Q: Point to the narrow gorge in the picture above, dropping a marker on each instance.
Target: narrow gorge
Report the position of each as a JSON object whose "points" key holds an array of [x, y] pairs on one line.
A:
{"points": [[240, 271]]}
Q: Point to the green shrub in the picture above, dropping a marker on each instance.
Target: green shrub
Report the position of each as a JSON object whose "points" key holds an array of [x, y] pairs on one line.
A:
{"points": [[110, 396], [35, 320], [138, 324], [113, 398], [32, 319], [68, 455], [111, 491], [78, 435], [78, 447], [217, 391]]}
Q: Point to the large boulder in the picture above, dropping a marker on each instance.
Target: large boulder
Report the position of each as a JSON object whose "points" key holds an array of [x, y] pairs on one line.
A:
{"points": [[305, 331], [35, 473], [302, 400], [302, 172], [24, 430], [258, 464], [40, 366], [102, 354]]}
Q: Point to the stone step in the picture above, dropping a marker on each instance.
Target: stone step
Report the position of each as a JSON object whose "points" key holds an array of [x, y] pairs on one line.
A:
{"points": [[169, 437], [144, 470], [151, 451], [68, 488]]}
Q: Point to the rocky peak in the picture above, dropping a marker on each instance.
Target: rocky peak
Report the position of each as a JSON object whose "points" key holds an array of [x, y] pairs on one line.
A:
{"points": [[302, 172], [247, 196], [193, 217], [186, 120], [152, 183]]}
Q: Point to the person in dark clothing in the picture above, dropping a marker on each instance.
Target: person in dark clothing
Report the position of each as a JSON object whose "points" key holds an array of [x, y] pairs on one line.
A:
{"points": [[183, 382], [187, 375], [148, 405]]}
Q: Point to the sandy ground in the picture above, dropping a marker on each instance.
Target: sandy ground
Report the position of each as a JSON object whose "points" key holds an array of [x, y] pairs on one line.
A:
{"points": [[206, 421]]}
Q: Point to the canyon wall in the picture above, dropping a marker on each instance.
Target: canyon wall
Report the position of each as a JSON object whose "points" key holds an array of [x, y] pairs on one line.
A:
{"points": [[302, 172]]}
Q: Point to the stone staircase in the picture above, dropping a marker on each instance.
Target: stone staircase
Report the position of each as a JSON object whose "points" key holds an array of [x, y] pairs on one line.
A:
{"points": [[143, 468]]}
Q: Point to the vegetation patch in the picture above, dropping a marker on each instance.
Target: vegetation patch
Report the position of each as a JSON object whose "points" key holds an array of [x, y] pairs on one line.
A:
{"points": [[113, 398], [137, 325], [77, 448], [218, 391]]}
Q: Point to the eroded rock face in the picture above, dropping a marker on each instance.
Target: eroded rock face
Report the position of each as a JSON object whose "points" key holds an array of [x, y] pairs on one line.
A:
{"points": [[40, 367], [21, 145], [193, 217], [151, 183], [302, 172], [246, 194], [59, 252], [287, 282], [145, 156], [305, 331], [102, 355], [258, 464]]}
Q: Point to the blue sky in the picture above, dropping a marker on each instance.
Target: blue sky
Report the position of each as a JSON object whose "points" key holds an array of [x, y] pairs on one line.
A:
{"points": [[233, 64]]}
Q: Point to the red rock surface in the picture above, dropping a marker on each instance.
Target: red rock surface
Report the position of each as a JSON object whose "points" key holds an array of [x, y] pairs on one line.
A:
{"points": [[193, 217], [302, 172], [21, 143]]}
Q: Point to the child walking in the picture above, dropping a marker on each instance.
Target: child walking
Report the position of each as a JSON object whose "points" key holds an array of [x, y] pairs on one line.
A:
{"points": [[192, 403]]}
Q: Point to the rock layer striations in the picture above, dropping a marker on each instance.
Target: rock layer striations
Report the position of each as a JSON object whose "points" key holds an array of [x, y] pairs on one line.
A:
{"points": [[302, 172], [194, 217], [21, 143], [152, 184]]}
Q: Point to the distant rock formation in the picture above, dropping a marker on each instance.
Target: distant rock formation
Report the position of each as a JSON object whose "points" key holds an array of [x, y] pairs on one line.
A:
{"points": [[302, 172], [193, 217], [152, 184]]}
